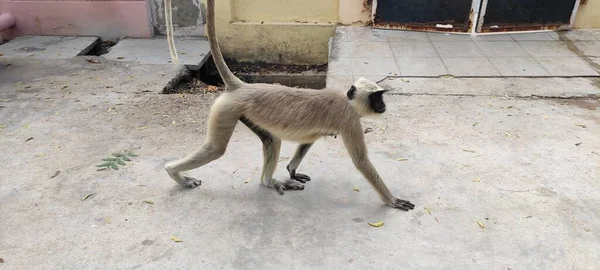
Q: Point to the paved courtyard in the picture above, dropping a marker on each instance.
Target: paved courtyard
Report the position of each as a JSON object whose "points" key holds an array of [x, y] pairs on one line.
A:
{"points": [[374, 53]]}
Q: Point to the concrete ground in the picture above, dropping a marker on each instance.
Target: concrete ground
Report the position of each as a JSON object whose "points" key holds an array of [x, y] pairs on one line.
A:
{"points": [[374, 53], [501, 178]]}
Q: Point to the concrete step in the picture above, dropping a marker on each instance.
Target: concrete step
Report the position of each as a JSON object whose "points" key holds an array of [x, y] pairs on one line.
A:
{"points": [[193, 52], [47, 47]]}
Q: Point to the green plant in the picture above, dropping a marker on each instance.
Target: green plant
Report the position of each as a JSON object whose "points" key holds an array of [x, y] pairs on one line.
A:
{"points": [[117, 159]]}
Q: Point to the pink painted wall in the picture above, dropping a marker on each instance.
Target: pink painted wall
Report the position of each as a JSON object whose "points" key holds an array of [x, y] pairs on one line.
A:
{"points": [[108, 19]]}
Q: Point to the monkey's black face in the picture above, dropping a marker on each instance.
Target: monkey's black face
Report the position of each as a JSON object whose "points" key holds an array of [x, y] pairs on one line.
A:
{"points": [[376, 102]]}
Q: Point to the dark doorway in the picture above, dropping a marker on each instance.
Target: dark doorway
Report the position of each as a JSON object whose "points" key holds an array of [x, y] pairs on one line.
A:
{"points": [[525, 15]]}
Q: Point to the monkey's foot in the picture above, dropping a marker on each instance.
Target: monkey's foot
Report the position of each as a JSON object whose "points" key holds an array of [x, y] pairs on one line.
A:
{"points": [[401, 204], [302, 178], [190, 182], [287, 185]]}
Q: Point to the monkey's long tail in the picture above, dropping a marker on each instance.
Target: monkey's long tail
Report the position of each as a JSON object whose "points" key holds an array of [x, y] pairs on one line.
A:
{"points": [[169, 26], [228, 77]]}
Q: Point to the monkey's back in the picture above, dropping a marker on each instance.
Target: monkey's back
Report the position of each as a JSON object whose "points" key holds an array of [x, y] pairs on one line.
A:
{"points": [[295, 114]]}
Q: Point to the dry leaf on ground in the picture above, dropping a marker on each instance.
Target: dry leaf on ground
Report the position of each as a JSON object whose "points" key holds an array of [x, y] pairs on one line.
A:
{"points": [[481, 224], [87, 196], [148, 201], [247, 181], [355, 188], [55, 174], [402, 159], [376, 224], [469, 151], [176, 239], [478, 179]]}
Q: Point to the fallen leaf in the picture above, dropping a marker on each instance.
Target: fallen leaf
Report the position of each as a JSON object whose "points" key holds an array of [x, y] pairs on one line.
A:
{"points": [[176, 239], [578, 144], [545, 117], [87, 196], [367, 130], [107, 220], [247, 181], [477, 180], [29, 139], [212, 88], [474, 124], [173, 123], [481, 224], [120, 57], [507, 134], [587, 229], [40, 155], [57, 113], [64, 87], [402, 159], [376, 224], [143, 127], [55, 174], [469, 151], [129, 77], [148, 201], [427, 210], [581, 125], [355, 188], [109, 109], [26, 126], [382, 128]]}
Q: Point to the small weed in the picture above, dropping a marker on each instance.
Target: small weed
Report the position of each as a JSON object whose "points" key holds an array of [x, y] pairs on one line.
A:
{"points": [[116, 160]]}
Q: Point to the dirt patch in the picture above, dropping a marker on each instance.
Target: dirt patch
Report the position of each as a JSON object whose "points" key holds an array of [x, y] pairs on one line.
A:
{"points": [[102, 47], [263, 68]]}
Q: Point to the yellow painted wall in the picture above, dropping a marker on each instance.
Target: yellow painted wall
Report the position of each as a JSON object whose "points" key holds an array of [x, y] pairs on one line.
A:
{"points": [[588, 15], [355, 12], [276, 31]]}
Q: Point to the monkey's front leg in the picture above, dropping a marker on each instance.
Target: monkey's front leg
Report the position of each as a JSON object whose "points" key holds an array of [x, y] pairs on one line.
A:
{"points": [[295, 162], [271, 148]]}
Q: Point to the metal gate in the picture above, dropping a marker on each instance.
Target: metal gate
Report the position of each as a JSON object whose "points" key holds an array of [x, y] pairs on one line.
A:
{"points": [[526, 15], [474, 15]]}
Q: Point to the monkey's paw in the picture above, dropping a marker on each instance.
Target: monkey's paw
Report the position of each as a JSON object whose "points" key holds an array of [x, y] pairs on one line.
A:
{"points": [[287, 185], [190, 182], [401, 204], [302, 178]]}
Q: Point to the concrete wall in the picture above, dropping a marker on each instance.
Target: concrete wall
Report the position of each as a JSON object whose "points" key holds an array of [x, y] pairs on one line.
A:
{"points": [[355, 12], [188, 17], [276, 31], [588, 15], [109, 19]]}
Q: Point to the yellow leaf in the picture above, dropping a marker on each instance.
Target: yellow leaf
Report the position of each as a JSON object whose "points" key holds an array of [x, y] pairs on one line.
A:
{"points": [[176, 239], [582, 125], [376, 224], [507, 134], [26, 126], [545, 117], [148, 201], [110, 109], [107, 220], [246, 182], [481, 224], [478, 179], [57, 113], [382, 128], [173, 123], [144, 127], [402, 159], [427, 210], [355, 188], [87, 196]]}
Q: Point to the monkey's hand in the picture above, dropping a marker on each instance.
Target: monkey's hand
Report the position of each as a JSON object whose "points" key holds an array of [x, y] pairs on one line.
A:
{"points": [[302, 178], [401, 204], [287, 185]]}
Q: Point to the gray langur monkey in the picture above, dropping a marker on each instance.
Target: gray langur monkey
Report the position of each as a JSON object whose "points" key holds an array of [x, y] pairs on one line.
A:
{"points": [[276, 112]]}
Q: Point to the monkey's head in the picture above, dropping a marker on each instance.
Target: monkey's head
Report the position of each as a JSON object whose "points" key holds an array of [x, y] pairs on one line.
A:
{"points": [[366, 97]]}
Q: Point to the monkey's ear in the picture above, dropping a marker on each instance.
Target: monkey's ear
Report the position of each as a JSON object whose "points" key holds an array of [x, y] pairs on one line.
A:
{"points": [[351, 93]]}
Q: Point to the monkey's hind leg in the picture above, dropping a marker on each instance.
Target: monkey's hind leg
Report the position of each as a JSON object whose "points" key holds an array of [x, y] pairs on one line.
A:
{"points": [[295, 162], [220, 129], [271, 148]]}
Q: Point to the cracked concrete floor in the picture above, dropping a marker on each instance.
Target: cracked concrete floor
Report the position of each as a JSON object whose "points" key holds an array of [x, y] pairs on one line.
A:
{"points": [[527, 169]]}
